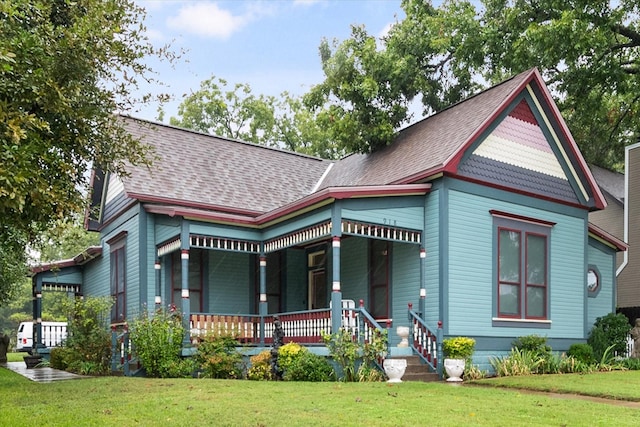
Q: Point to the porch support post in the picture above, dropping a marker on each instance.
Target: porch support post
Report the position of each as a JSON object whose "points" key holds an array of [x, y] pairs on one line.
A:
{"points": [[186, 304], [336, 293], [423, 289], [37, 314], [263, 295], [158, 268]]}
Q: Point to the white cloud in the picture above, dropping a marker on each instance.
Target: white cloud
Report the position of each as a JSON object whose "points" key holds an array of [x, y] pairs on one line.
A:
{"points": [[208, 20]]}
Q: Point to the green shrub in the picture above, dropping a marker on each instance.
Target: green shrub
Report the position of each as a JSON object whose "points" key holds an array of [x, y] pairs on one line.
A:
{"points": [[217, 357], [609, 331], [88, 335], [582, 352], [345, 350], [517, 362], [541, 351], [458, 347], [157, 341], [260, 369], [309, 367], [288, 354], [60, 357]]}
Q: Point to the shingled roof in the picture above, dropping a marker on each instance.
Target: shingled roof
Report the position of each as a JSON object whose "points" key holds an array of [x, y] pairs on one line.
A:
{"points": [[427, 145], [204, 171]]}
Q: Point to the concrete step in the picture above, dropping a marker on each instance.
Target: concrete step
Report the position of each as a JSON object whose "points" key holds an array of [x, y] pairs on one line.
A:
{"points": [[417, 370]]}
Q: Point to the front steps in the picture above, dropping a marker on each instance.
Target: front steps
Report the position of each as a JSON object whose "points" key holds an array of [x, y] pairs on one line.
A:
{"points": [[416, 370]]}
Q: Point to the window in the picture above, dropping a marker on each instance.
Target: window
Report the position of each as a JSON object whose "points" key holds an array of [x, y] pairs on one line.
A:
{"points": [[593, 281], [379, 279], [522, 265], [118, 277], [196, 274]]}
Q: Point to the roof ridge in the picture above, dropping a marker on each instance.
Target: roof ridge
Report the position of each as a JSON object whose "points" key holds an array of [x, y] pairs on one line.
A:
{"points": [[224, 138]]}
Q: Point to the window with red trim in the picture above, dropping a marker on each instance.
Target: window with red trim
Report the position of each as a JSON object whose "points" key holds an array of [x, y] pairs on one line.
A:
{"points": [[118, 280], [522, 271]]}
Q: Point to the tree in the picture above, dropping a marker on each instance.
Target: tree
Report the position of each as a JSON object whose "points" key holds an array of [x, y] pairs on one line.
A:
{"points": [[65, 68], [237, 113], [588, 52], [366, 93]]}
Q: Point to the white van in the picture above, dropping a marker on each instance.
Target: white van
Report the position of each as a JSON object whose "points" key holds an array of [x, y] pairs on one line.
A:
{"points": [[53, 333]]}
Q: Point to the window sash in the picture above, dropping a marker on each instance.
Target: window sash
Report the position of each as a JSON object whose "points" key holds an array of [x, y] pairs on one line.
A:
{"points": [[522, 295]]}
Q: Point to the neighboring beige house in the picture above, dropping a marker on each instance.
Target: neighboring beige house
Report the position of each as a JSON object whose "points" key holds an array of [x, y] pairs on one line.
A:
{"points": [[623, 191]]}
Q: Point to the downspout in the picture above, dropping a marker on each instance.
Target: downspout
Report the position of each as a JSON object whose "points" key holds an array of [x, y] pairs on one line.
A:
{"points": [[625, 255]]}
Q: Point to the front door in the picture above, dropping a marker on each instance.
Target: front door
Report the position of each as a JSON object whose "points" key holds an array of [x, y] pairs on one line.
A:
{"points": [[318, 289]]}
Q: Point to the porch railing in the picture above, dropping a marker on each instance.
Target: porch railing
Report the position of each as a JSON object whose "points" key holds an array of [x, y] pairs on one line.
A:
{"points": [[425, 342], [303, 327]]}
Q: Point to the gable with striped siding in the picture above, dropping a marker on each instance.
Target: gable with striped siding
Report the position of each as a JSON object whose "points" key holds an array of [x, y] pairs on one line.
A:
{"points": [[517, 154]]}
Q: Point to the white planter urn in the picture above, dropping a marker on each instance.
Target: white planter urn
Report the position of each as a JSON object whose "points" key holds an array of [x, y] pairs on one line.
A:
{"points": [[455, 369], [403, 333], [394, 368]]}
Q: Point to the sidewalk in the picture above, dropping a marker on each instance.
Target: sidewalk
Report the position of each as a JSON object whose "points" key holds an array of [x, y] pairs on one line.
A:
{"points": [[43, 375]]}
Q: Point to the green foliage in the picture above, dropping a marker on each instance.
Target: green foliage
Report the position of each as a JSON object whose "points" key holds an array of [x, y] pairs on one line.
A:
{"points": [[65, 67], [541, 351], [517, 362], [345, 351], [239, 114], [217, 357], [61, 357], [307, 366], [581, 352], [609, 331], [587, 53], [458, 347], [88, 335], [473, 372], [288, 353], [260, 369], [157, 342]]}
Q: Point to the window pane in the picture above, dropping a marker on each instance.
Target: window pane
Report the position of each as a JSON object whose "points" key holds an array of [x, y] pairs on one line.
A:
{"points": [[535, 301], [536, 259], [509, 299], [509, 256], [379, 262]]}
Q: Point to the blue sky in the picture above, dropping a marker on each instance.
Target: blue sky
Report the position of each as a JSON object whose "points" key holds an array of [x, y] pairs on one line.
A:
{"points": [[270, 45]]}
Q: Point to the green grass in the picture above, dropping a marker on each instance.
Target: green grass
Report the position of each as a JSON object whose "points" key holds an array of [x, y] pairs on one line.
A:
{"points": [[15, 357], [618, 385], [122, 401]]}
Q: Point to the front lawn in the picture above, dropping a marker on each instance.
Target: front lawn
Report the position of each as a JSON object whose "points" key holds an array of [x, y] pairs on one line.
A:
{"points": [[620, 385], [187, 402]]}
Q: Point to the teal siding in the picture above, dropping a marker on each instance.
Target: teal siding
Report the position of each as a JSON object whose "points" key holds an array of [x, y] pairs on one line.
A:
{"points": [[432, 262], [405, 284], [166, 230], [318, 216], [411, 217], [295, 289], [470, 286], [96, 275], [224, 231], [354, 274], [229, 282], [603, 302]]}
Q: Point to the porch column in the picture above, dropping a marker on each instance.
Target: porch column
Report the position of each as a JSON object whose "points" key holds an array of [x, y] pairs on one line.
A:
{"points": [[37, 315], [158, 268], [423, 289], [263, 306], [186, 305], [336, 293]]}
